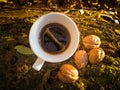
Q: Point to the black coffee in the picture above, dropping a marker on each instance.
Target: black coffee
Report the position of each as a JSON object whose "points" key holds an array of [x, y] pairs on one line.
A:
{"points": [[54, 38]]}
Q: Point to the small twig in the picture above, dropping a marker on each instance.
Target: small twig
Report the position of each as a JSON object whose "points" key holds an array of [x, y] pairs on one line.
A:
{"points": [[54, 38], [44, 79]]}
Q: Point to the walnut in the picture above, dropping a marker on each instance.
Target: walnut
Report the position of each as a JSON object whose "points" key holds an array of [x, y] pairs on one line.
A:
{"points": [[81, 59], [91, 41], [68, 73], [96, 55]]}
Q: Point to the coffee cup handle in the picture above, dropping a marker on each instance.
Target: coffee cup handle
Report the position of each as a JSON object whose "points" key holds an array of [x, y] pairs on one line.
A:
{"points": [[38, 64]]}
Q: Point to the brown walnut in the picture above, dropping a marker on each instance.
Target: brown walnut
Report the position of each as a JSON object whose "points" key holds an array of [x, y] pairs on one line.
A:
{"points": [[91, 41], [81, 59], [96, 55], [68, 73]]}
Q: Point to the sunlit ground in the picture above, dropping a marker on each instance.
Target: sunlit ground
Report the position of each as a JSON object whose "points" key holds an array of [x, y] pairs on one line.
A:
{"points": [[16, 65]]}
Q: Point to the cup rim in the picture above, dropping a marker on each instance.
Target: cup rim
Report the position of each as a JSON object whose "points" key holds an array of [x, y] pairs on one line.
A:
{"points": [[56, 17]]}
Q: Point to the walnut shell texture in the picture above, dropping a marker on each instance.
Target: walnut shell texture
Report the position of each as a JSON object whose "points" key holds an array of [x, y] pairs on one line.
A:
{"points": [[96, 55], [91, 41], [68, 73], [81, 59]]}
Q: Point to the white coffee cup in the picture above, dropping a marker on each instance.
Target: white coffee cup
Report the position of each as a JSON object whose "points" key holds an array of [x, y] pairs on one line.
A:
{"points": [[53, 17]]}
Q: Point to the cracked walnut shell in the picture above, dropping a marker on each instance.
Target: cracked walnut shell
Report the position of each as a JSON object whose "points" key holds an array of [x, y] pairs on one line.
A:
{"points": [[68, 73], [91, 41], [96, 55], [81, 59]]}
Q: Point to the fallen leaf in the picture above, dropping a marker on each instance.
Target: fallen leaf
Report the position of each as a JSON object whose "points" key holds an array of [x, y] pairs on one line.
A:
{"points": [[23, 35], [9, 38], [23, 50], [118, 44], [66, 11], [5, 1], [117, 31]]}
